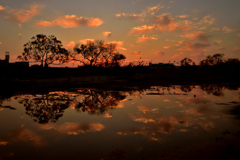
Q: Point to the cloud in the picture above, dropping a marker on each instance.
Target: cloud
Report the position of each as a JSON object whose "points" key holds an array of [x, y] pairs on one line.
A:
{"points": [[177, 56], [143, 29], [183, 16], [86, 41], [107, 34], [217, 42], [20, 35], [130, 16], [136, 53], [201, 36], [207, 20], [145, 39], [44, 24], [180, 26], [191, 46], [1, 8], [227, 29], [197, 57], [167, 47], [160, 53], [165, 22], [164, 19], [215, 29], [70, 45], [70, 21], [155, 8], [118, 45], [238, 35], [150, 11], [22, 15]]}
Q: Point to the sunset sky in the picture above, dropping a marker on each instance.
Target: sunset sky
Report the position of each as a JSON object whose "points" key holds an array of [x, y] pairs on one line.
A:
{"points": [[155, 30]]}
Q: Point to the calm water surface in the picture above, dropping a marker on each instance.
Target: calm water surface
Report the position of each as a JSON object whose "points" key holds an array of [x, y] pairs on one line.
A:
{"points": [[177, 122]]}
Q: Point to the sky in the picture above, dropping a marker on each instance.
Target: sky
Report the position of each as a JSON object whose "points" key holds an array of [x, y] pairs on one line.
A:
{"points": [[153, 30]]}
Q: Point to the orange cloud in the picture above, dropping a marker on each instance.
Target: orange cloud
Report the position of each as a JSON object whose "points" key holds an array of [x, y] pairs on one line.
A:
{"points": [[164, 19], [183, 16], [201, 36], [1, 7], [177, 56], [118, 45], [143, 29], [44, 24], [146, 39], [197, 57], [107, 34], [71, 44], [207, 20], [217, 42], [130, 16], [86, 41], [136, 53], [70, 21], [150, 9], [215, 29], [179, 26], [160, 53], [167, 47], [23, 15], [227, 29]]}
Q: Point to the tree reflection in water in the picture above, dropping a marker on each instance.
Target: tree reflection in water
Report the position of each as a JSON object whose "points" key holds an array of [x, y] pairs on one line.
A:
{"points": [[49, 107], [97, 102]]}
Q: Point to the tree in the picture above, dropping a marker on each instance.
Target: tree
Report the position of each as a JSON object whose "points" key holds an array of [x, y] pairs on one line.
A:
{"points": [[117, 59], [46, 50], [89, 53], [97, 54], [215, 59], [187, 62]]}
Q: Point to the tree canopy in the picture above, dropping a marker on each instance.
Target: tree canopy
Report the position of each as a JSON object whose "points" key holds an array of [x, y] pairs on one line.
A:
{"points": [[187, 62], [215, 59], [46, 50], [97, 54]]}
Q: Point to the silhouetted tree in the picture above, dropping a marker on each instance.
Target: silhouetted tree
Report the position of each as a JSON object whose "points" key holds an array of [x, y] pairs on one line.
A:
{"points": [[187, 62], [46, 50], [117, 59], [215, 59], [97, 54], [232, 62], [89, 53]]}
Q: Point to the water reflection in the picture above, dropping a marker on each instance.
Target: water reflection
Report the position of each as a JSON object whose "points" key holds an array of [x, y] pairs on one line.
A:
{"points": [[177, 122], [74, 128], [51, 106]]}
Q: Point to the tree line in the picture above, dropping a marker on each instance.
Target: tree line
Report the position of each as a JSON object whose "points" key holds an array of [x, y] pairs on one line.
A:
{"points": [[49, 50]]}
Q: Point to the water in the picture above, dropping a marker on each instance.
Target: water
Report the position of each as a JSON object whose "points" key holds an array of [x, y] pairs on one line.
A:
{"points": [[177, 122]]}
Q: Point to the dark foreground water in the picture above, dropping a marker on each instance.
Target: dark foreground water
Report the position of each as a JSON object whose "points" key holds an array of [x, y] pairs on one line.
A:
{"points": [[177, 122]]}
